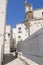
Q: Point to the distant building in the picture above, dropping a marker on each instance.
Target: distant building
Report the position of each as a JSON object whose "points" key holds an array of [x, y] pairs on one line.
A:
{"points": [[9, 45], [34, 18], [20, 32]]}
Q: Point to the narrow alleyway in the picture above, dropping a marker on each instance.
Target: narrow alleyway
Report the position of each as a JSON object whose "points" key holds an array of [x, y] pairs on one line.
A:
{"points": [[10, 59]]}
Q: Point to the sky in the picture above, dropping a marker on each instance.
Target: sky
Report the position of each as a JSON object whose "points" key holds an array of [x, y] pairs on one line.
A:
{"points": [[16, 11]]}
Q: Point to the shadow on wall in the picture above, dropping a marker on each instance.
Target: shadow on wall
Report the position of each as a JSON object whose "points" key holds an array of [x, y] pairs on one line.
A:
{"points": [[32, 47]]}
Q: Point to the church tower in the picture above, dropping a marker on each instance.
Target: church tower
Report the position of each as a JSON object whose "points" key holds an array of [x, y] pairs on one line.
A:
{"points": [[28, 10], [28, 15]]}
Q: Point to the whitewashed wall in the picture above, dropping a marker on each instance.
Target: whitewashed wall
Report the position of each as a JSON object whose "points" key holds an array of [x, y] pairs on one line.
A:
{"points": [[23, 34], [8, 40], [35, 25], [37, 13], [3, 4], [14, 36]]}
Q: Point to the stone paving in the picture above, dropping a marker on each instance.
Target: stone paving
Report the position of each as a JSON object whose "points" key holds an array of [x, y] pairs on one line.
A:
{"points": [[15, 62], [10, 59]]}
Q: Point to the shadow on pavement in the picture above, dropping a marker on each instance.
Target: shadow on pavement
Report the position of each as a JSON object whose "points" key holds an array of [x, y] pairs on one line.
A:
{"points": [[8, 58]]}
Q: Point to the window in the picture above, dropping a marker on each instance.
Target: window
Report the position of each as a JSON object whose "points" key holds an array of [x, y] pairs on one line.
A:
{"points": [[11, 31], [8, 34], [42, 13], [19, 36], [29, 8], [19, 27], [19, 31], [5, 39]]}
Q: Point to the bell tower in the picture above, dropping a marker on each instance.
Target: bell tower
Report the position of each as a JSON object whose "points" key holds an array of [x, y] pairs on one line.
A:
{"points": [[28, 15], [28, 10]]}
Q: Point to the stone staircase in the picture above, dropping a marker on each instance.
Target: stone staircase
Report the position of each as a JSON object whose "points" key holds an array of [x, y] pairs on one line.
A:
{"points": [[10, 59]]}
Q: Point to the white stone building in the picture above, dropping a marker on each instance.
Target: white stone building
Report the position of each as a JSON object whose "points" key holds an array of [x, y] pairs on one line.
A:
{"points": [[20, 33], [3, 6], [14, 37], [9, 45], [34, 18]]}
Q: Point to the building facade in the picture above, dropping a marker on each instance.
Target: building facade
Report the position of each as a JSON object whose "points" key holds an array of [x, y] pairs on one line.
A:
{"points": [[34, 18], [14, 37], [9, 45], [3, 6], [20, 32]]}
